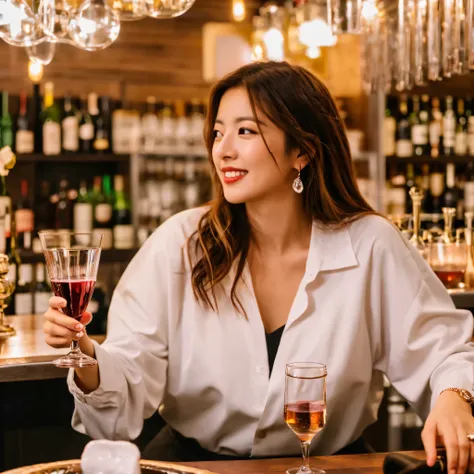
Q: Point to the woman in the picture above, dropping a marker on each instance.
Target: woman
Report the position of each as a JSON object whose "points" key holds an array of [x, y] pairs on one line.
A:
{"points": [[288, 248]]}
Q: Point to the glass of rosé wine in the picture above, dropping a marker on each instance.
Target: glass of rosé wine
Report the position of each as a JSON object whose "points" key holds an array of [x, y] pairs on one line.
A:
{"points": [[305, 406], [72, 260]]}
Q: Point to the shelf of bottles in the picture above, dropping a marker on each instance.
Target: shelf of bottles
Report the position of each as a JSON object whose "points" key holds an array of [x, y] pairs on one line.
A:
{"points": [[75, 162], [429, 142]]}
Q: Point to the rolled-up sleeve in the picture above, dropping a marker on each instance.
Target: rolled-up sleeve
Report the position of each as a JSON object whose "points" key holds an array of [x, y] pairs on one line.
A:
{"points": [[425, 342], [134, 357]]}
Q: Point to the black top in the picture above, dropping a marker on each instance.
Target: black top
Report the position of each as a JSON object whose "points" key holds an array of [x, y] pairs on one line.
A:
{"points": [[273, 341]]}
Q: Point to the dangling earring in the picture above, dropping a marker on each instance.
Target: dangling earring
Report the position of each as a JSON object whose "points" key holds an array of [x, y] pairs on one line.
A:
{"points": [[298, 184]]}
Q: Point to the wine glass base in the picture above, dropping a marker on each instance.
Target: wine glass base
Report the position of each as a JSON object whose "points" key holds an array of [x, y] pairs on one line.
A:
{"points": [[74, 360], [299, 470]]}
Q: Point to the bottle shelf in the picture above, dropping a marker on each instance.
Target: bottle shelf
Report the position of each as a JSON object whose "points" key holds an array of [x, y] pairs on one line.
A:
{"points": [[107, 256], [457, 160], [73, 158]]}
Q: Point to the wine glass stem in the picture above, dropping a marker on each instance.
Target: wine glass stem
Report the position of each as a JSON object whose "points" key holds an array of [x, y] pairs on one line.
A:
{"points": [[75, 347], [305, 450]]}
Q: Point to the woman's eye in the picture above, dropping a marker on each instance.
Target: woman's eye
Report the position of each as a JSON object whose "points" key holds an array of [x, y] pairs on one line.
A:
{"points": [[246, 131], [217, 134]]}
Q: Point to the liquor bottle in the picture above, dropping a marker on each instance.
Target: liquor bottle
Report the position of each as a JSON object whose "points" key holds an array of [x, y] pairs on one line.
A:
{"points": [[149, 127], [103, 212], [24, 218], [23, 296], [460, 141], [63, 214], [404, 144], [469, 188], [93, 107], [450, 191], [449, 128], [125, 128], [436, 190], [24, 137], [419, 125], [123, 230], [86, 129], [14, 263], [42, 292], [102, 135], [6, 123], [70, 127], [83, 211], [166, 136], [51, 122], [389, 130], [181, 129], [435, 128], [44, 208]]}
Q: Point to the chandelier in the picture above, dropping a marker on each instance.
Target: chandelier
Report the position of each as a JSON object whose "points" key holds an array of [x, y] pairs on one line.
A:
{"points": [[90, 25]]}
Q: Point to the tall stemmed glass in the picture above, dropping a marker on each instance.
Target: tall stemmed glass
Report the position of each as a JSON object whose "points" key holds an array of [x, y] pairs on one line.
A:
{"points": [[72, 260], [305, 406]]}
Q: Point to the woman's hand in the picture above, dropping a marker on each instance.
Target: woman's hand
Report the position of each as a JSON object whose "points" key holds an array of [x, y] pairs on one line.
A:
{"points": [[60, 329], [449, 423]]}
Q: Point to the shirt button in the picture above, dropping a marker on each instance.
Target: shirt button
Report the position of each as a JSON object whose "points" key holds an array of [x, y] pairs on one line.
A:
{"points": [[260, 369], [261, 434]]}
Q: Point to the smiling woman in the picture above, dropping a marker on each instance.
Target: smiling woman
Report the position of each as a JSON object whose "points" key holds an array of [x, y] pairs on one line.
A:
{"points": [[269, 124]]}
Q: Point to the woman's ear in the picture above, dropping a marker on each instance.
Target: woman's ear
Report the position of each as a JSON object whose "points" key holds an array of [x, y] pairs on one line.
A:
{"points": [[300, 161]]}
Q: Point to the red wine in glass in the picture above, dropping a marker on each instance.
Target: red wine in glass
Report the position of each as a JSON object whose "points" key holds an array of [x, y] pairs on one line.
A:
{"points": [[77, 294]]}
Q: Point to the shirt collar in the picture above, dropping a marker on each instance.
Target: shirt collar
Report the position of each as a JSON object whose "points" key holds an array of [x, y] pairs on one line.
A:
{"points": [[331, 249]]}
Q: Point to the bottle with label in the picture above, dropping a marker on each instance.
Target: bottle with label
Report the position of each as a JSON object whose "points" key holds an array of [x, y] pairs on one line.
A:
{"points": [[103, 212], [70, 127], [102, 139], [14, 263], [149, 127], [51, 122], [389, 130], [449, 128], [6, 123], [436, 190], [83, 211], [93, 107], [86, 129], [460, 141], [450, 190], [123, 230], [404, 145], [435, 128], [44, 216], [24, 137], [125, 128], [24, 218], [42, 291], [23, 296], [419, 126]]}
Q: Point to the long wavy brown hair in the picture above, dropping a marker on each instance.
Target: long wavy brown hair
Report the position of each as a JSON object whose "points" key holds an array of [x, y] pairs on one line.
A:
{"points": [[301, 106]]}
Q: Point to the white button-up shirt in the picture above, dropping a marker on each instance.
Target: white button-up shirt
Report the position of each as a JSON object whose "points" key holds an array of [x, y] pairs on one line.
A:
{"points": [[368, 305]]}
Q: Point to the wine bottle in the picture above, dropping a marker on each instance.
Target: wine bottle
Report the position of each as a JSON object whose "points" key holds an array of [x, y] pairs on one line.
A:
{"points": [[435, 128], [42, 292], [123, 230], [24, 137], [103, 213], [404, 145], [51, 122], [86, 129], [5, 215], [83, 210], [24, 218], [70, 127], [460, 141], [102, 133], [449, 128], [6, 124], [149, 127], [23, 296], [63, 217]]}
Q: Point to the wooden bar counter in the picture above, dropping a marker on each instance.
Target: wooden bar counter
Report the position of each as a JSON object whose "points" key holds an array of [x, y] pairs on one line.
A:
{"points": [[26, 356], [347, 464]]}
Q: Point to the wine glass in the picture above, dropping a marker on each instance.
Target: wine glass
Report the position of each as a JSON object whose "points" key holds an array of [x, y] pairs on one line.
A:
{"points": [[449, 262], [72, 260], [305, 406]]}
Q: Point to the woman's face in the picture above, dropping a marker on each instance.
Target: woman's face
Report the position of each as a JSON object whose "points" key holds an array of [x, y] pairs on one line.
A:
{"points": [[245, 168]]}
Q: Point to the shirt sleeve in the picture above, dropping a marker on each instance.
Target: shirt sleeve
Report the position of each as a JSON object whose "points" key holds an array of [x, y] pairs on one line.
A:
{"points": [[425, 342], [133, 359]]}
